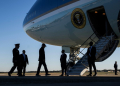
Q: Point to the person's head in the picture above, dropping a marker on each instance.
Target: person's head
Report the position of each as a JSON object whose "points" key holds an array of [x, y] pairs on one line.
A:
{"points": [[17, 46], [115, 62], [43, 45], [63, 51], [23, 51], [91, 43]]}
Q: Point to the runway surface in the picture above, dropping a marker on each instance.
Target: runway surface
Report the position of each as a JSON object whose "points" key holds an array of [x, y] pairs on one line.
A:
{"points": [[102, 79], [59, 81]]}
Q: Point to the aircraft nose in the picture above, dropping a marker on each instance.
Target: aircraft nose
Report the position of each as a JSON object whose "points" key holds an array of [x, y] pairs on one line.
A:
{"points": [[38, 9]]}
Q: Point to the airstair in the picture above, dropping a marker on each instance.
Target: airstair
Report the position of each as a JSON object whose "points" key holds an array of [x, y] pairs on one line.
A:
{"points": [[105, 46]]}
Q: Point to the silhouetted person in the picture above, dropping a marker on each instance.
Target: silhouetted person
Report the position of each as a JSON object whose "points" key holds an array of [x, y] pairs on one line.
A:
{"points": [[91, 52], [25, 61], [15, 60], [115, 66], [42, 60], [63, 62], [19, 66]]}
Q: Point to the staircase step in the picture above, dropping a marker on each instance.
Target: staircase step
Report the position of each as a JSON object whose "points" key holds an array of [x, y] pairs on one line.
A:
{"points": [[78, 64], [77, 70], [103, 40], [83, 61], [99, 48], [73, 73], [82, 65], [102, 44]]}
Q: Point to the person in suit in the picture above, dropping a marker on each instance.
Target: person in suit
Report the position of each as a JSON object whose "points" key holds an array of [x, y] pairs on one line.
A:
{"points": [[15, 60], [115, 66], [24, 60], [42, 60], [91, 52], [63, 62]]}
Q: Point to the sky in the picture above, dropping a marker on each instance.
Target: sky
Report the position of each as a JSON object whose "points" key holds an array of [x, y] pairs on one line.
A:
{"points": [[12, 14]]}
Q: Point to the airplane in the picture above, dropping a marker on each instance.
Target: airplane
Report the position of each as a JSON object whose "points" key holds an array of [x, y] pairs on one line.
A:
{"points": [[72, 24]]}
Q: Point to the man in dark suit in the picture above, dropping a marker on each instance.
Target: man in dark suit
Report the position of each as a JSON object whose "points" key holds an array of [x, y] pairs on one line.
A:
{"points": [[115, 66], [15, 60], [91, 52], [63, 62], [24, 60], [42, 60]]}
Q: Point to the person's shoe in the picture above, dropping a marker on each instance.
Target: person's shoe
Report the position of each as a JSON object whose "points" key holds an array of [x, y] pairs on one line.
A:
{"points": [[61, 75], [47, 74], [9, 74], [19, 75], [23, 75], [94, 74], [89, 75], [37, 75]]}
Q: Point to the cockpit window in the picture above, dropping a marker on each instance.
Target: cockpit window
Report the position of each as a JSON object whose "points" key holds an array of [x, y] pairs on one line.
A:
{"points": [[118, 21]]}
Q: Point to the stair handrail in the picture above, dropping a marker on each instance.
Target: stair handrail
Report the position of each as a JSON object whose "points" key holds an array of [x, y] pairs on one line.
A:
{"points": [[83, 44], [100, 45], [92, 39]]}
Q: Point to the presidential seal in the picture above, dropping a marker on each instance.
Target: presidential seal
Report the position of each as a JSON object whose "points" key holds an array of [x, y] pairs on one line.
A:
{"points": [[78, 18]]}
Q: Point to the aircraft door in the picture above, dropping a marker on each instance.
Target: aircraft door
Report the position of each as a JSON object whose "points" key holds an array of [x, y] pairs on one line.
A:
{"points": [[99, 22]]}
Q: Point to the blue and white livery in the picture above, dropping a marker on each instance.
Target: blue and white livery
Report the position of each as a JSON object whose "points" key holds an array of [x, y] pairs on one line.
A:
{"points": [[55, 21]]}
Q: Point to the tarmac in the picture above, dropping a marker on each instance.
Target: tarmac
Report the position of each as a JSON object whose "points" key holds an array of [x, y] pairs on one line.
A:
{"points": [[59, 81], [102, 79]]}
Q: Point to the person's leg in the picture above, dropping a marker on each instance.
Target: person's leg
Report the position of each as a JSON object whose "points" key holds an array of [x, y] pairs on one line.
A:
{"points": [[20, 69], [39, 66], [65, 70], [24, 69], [62, 71], [94, 67], [90, 67], [45, 67], [13, 68], [115, 71]]}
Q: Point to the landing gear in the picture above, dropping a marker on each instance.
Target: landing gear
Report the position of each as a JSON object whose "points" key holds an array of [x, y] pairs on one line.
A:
{"points": [[73, 57]]}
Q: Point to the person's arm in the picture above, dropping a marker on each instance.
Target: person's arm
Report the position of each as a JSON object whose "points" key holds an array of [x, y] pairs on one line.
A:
{"points": [[88, 52], [14, 56], [20, 59], [27, 59], [60, 58], [65, 56], [95, 52], [114, 65], [14, 53], [41, 54]]}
